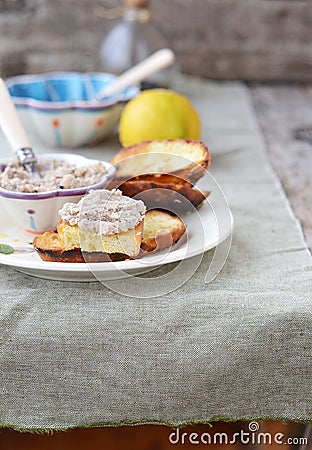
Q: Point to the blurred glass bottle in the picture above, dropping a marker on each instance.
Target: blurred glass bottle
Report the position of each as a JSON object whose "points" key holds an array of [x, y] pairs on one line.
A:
{"points": [[132, 39]]}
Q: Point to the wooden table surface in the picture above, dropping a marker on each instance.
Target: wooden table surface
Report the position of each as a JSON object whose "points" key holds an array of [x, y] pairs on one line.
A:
{"points": [[280, 110]]}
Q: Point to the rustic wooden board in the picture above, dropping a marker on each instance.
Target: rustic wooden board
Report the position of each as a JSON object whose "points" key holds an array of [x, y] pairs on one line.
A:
{"points": [[240, 39], [221, 39], [280, 110]]}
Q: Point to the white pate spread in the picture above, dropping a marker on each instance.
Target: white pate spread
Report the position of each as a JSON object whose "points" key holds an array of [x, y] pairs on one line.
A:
{"points": [[104, 212], [56, 174]]}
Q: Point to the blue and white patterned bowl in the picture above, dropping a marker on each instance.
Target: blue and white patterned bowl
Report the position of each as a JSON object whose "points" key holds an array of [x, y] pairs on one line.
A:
{"points": [[59, 108]]}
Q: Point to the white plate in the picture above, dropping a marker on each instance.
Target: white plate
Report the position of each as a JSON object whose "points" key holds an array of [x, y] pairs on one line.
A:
{"points": [[206, 228]]}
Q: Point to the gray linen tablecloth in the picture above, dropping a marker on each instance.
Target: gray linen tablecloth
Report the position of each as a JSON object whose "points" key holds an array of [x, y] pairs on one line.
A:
{"points": [[79, 354]]}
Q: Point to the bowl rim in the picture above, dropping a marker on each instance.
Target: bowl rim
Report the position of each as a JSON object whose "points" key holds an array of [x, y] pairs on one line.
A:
{"points": [[107, 177], [83, 105]]}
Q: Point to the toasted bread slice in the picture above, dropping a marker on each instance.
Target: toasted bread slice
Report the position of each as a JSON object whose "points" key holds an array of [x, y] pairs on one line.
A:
{"points": [[127, 243], [161, 230], [49, 248], [162, 166], [173, 197], [182, 158]]}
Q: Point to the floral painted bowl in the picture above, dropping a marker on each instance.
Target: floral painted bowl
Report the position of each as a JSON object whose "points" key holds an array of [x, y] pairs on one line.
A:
{"points": [[38, 212], [60, 109]]}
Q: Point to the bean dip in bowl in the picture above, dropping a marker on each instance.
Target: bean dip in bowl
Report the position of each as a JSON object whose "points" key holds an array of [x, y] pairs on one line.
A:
{"points": [[34, 204]]}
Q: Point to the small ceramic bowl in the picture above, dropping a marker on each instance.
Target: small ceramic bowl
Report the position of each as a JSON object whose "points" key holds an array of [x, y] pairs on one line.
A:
{"points": [[60, 109], [38, 212]]}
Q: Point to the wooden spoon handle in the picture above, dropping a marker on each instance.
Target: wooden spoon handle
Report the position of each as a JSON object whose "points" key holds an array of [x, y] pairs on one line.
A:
{"points": [[159, 60], [10, 122]]}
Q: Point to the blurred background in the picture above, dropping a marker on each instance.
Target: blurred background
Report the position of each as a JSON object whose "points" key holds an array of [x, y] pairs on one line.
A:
{"points": [[254, 40]]}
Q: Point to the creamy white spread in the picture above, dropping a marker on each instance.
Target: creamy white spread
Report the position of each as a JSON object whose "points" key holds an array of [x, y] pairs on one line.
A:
{"points": [[55, 175], [105, 212]]}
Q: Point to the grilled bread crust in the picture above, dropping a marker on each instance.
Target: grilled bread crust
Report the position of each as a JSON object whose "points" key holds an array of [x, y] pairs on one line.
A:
{"points": [[49, 248], [181, 158], [167, 168], [161, 230]]}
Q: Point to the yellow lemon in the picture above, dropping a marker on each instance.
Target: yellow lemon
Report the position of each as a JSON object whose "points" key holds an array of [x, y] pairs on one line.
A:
{"points": [[158, 114]]}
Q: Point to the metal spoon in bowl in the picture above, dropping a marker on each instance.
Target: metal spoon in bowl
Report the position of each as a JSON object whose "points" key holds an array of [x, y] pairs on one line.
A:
{"points": [[157, 61], [15, 132]]}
